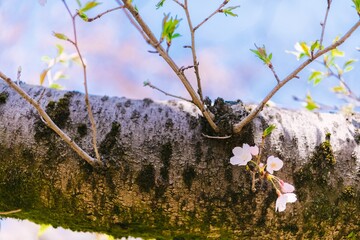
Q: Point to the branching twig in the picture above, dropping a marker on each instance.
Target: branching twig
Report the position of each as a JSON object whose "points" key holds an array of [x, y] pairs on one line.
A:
{"points": [[102, 14], [193, 50], [275, 75], [147, 83], [49, 122], [218, 10], [238, 127], [154, 42], [179, 3], [87, 102], [323, 24]]}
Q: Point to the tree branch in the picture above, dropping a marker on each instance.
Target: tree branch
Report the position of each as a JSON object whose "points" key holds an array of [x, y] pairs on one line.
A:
{"points": [[102, 14], [323, 24], [88, 104], [238, 127], [154, 42], [212, 14], [49, 122]]}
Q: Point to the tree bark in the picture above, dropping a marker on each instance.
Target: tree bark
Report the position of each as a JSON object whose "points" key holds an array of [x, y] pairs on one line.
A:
{"points": [[162, 178]]}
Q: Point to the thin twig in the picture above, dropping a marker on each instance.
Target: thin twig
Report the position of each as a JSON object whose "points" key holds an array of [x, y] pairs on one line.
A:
{"points": [[154, 42], [193, 50], [216, 137], [218, 10], [49, 122], [323, 24], [275, 75], [179, 3], [238, 127], [87, 102], [102, 14], [147, 83], [10, 212]]}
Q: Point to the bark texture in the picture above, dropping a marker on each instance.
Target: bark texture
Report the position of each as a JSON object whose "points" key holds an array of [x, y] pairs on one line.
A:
{"points": [[163, 179]]}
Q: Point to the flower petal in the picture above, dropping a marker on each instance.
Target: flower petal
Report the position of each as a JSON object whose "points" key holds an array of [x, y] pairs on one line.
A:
{"points": [[254, 150], [291, 197], [280, 204], [287, 188]]}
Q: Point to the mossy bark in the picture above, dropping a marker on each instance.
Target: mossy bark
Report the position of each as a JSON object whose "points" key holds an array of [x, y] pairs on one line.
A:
{"points": [[163, 179]]}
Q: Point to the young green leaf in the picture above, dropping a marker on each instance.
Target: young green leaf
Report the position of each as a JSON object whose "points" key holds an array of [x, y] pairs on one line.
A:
{"points": [[314, 46], [229, 11], [310, 104], [316, 77], [337, 53], [305, 48], [83, 16], [348, 65], [160, 4], [268, 130], [60, 49], [169, 27], [89, 5], [60, 36], [357, 6], [43, 228], [79, 3], [56, 86], [260, 52], [340, 89]]}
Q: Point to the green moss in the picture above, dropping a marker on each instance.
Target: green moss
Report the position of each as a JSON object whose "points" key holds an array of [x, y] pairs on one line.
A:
{"points": [[348, 193], [189, 175], [3, 97], [146, 178], [165, 157], [109, 145], [59, 112], [82, 130]]}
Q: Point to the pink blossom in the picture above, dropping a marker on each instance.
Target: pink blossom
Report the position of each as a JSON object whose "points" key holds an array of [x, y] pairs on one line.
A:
{"points": [[273, 164], [281, 201], [286, 187]]}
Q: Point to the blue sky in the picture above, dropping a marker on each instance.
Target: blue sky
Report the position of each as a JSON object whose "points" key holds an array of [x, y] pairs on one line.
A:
{"points": [[119, 62]]}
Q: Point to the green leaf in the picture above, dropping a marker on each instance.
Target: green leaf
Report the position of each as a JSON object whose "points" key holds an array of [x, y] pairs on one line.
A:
{"points": [[305, 48], [340, 89], [60, 36], [357, 6], [229, 11], [310, 104], [268, 130], [337, 53], [79, 3], [260, 52], [169, 27], [60, 49], [160, 4], [59, 75], [315, 45], [89, 5], [46, 59], [56, 86], [316, 77], [83, 16], [42, 230]]}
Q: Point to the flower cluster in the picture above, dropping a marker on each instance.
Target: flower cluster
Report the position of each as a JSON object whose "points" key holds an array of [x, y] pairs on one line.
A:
{"points": [[245, 154]]}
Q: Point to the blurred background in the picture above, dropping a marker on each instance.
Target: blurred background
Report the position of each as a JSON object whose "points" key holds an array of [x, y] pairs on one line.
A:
{"points": [[118, 60]]}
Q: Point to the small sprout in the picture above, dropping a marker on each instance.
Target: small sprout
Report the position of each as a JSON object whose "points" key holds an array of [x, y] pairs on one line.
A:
{"points": [[310, 103], [168, 29], [340, 89], [303, 50], [56, 86], [60, 36], [160, 4], [348, 65], [83, 15], [314, 46], [229, 11], [337, 53], [268, 130], [357, 6], [79, 3], [316, 77], [89, 5], [260, 52]]}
